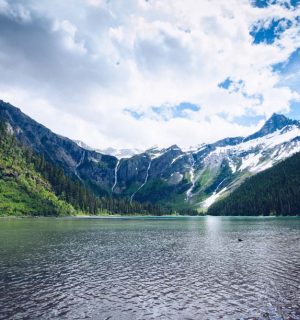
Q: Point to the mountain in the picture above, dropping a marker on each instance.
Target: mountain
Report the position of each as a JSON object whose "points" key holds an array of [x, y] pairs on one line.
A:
{"points": [[24, 190], [271, 192], [118, 153], [276, 122], [255, 153], [83, 145], [76, 162], [30, 185], [172, 177]]}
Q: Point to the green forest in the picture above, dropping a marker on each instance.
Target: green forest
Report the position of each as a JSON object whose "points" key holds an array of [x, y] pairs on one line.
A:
{"points": [[29, 185], [275, 191]]}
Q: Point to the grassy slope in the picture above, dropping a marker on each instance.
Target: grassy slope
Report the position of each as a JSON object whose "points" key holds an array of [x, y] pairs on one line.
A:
{"points": [[22, 190]]}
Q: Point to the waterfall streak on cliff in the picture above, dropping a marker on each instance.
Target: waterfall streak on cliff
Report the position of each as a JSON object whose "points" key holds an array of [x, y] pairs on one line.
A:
{"points": [[116, 175], [78, 165], [193, 179], [142, 185]]}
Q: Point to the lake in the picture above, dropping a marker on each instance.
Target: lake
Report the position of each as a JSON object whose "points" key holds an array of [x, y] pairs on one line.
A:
{"points": [[167, 268]]}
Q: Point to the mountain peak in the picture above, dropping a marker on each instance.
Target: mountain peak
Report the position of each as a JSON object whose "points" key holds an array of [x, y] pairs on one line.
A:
{"points": [[174, 147], [274, 123], [277, 122], [277, 118]]}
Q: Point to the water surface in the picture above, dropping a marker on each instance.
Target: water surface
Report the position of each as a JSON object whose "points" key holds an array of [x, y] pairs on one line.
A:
{"points": [[190, 268]]}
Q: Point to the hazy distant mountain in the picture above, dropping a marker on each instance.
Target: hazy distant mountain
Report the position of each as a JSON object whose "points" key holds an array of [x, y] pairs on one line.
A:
{"points": [[118, 153], [83, 145], [180, 178]]}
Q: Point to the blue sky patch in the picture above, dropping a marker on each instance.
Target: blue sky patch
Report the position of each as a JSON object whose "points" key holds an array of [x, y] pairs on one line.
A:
{"points": [[233, 86], [295, 3], [260, 3], [295, 111], [180, 110], [245, 120], [268, 35], [166, 112], [290, 64], [225, 84], [290, 4], [289, 72], [248, 120], [134, 114]]}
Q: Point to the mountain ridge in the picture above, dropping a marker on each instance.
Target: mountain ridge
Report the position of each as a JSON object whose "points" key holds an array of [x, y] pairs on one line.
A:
{"points": [[274, 191], [275, 122], [172, 176]]}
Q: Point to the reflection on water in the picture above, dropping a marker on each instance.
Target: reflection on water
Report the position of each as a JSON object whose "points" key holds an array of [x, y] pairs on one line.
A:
{"points": [[191, 268]]}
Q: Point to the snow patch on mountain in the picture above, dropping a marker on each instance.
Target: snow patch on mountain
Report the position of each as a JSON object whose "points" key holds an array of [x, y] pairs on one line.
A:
{"points": [[118, 153], [259, 154], [213, 198], [83, 145], [177, 158]]}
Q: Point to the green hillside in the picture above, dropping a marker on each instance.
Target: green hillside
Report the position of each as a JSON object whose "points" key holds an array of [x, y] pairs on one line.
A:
{"points": [[23, 191], [275, 191], [30, 185]]}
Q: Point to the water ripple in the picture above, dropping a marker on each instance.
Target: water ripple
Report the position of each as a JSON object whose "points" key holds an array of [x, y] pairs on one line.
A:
{"points": [[187, 269]]}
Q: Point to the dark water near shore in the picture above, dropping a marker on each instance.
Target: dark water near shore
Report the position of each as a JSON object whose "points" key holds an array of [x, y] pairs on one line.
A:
{"points": [[191, 268]]}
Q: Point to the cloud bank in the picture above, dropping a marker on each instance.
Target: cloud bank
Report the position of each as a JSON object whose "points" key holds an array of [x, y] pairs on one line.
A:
{"points": [[150, 72]]}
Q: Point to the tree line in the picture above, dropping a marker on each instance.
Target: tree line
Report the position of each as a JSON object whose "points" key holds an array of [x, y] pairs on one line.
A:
{"points": [[275, 191], [74, 191]]}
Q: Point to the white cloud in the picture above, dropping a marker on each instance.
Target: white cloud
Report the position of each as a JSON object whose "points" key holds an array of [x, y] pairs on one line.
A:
{"points": [[95, 3], [106, 56], [70, 32]]}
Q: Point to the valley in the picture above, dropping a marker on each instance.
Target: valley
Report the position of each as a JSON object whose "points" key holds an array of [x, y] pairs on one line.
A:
{"points": [[172, 178]]}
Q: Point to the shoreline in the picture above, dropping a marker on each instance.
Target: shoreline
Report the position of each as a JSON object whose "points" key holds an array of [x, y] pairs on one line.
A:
{"points": [[82, 217], [138, 217]]}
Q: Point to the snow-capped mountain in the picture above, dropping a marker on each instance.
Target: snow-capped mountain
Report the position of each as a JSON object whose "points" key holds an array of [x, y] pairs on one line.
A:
{"points": [[276, 141], [214, 169], [83, 145], [118, 153], [196, 177]]}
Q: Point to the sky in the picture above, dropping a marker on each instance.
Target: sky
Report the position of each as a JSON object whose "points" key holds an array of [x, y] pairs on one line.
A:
{"points": [[138, 73]]}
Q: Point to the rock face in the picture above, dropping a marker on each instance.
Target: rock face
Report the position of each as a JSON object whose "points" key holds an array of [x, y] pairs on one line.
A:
{"points": [[76, 162], [170, 176]]}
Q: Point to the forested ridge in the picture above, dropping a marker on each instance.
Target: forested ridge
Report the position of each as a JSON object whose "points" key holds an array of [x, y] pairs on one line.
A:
{"points": [[82, 198], [275, 191], [31, 185]]}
